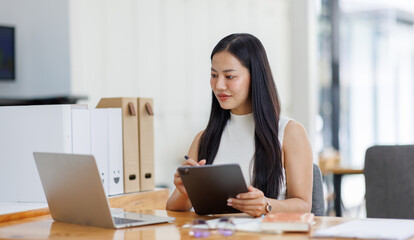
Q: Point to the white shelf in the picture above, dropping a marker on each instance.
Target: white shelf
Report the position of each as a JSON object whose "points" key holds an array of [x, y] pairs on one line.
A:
{"points": [[15, 207]]}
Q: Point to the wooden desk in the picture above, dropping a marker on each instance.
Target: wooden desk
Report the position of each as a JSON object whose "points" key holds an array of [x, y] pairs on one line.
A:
{"points": [[43, 227], [338, 172], [155, 199], [329, 163]]}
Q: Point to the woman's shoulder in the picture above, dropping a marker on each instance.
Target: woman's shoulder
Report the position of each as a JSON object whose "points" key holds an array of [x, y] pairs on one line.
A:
{"points": [[198, 136], [193, 152], [294, 132], [294, 127], [283, 121]]}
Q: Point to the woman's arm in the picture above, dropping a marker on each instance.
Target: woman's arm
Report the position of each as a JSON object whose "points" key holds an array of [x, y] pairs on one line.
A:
{"points": [[297, 157], [298, 163], [179, 199]]}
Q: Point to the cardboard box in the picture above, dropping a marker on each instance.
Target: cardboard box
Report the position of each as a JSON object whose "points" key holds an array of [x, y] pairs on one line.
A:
{"points": [[146, 142]]}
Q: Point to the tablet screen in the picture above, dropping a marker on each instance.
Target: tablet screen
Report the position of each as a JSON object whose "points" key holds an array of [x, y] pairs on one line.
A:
{"points": [[209, 187]]}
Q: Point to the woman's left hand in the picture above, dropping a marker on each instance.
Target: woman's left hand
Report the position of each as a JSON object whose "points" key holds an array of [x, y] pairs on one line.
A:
{"points": [[252, 202]]}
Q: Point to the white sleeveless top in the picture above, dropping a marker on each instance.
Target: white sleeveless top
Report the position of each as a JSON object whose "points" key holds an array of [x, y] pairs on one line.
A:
{"points": [[237, 146]]}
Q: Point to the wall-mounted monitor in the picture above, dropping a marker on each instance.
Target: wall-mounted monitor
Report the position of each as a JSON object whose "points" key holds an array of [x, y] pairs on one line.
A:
{"points": [[7, 54]]}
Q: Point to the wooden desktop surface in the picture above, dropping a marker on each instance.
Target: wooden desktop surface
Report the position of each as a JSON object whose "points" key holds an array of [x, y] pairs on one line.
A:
{"points": [[338, 171], [43, 227], [154, 199], [346, 170]]}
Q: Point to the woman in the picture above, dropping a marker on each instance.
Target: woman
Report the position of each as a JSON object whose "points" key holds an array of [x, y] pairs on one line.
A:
{"points": [[245, 127]]}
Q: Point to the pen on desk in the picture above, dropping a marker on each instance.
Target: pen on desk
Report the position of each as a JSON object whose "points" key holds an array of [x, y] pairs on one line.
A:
{"points": [[186, 157]]}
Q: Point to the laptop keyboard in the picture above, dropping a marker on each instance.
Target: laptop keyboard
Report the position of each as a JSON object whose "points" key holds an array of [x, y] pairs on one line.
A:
{"points": [[125, 220]]}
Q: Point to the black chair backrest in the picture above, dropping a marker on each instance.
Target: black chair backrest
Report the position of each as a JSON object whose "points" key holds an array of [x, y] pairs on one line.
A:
{"points": [[389, 181], [318, 199]]}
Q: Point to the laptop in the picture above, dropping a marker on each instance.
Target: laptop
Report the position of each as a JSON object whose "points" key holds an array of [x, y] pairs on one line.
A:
{"points": [[75, 193]]}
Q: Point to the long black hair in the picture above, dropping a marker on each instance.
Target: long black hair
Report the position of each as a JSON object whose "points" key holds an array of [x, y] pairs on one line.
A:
{"points": [[267, 171]]}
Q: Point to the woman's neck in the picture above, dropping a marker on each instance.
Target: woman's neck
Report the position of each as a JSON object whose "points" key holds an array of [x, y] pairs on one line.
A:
{"points": [[241, 111]]}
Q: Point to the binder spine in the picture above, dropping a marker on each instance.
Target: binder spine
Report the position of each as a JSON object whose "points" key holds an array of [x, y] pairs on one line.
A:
{"points": [[115, 155], [99, 143], [129, 138], [146, 142]]}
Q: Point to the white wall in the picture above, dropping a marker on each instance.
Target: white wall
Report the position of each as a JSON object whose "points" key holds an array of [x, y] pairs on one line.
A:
{"points": [[42, 47], [303, 82], [161, 49]]}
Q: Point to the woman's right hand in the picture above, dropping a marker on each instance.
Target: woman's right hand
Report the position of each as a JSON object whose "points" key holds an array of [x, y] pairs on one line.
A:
{"points": [[177, 179]]}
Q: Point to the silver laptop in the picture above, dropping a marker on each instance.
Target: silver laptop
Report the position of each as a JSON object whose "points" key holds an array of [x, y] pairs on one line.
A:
{"points": [[75, 193]]}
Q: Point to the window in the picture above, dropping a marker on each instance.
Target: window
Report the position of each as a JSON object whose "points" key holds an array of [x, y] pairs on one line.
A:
{"points": [[377, 81], [374, 103]]}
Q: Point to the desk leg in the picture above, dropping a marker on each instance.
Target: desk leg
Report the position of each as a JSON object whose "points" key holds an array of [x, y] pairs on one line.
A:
{"points": [[337, 190]]}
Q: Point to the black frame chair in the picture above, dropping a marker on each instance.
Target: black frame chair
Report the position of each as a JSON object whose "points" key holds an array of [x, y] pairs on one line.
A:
{"points": [[389, 181]]}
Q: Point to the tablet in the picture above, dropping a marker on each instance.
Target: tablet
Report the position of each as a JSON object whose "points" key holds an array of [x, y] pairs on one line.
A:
{"points": [[209, 187]]}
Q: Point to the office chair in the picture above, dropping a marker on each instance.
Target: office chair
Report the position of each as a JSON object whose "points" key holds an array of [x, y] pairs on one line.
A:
{"points": [[318, 200], [389, 181]]}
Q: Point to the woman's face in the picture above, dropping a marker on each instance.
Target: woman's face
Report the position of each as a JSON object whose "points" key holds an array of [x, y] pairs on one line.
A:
{"points": [[230, 82]]}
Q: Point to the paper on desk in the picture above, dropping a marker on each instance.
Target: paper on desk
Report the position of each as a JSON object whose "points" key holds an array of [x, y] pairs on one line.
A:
{"points": [[242, 224], [247, 224], [370, 228]]}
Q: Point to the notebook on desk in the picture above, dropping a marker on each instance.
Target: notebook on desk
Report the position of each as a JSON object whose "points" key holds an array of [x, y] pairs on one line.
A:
{"points": [[75, 194]]}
